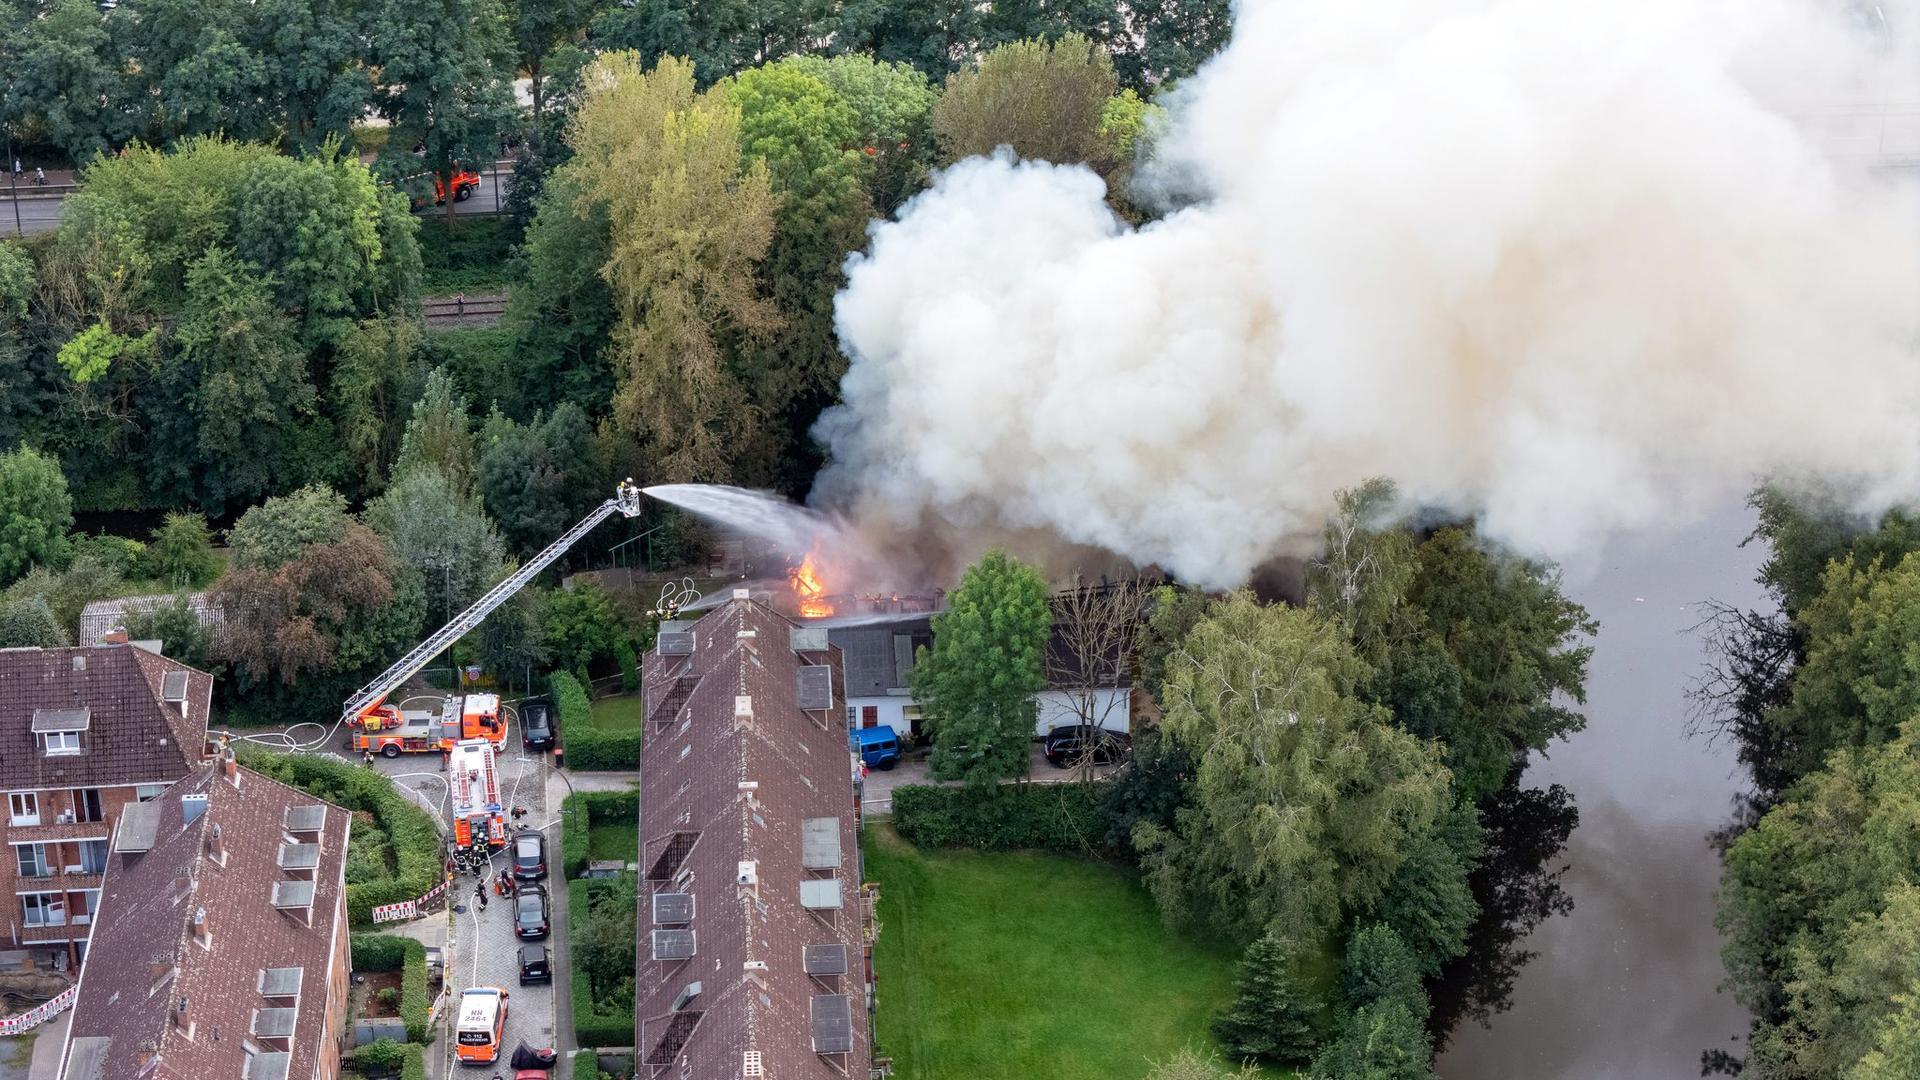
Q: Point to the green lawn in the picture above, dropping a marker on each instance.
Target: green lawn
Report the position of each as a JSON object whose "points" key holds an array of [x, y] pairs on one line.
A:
{"points": [[623, 712], [614, 840], [1021, 965]]}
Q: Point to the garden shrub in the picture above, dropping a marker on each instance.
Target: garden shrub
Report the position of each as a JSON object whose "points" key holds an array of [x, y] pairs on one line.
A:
{"points": [[411, 830], [382, 1057], [606, 1020], [1051, 817], [414, 1065], [390, 952], [587, 747], [590, 808]]}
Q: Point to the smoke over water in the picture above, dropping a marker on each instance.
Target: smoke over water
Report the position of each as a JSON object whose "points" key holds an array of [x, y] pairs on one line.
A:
{"points": [[1571, 265]]}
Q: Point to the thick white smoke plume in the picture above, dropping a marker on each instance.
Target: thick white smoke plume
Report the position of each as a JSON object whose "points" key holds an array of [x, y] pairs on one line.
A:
{"points": [[1571, 265]]}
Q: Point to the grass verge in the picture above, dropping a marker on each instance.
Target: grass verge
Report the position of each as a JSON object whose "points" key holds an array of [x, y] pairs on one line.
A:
{"points": [[1022, 964]]}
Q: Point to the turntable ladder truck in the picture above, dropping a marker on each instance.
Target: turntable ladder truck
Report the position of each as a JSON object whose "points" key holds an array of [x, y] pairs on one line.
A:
{"points": [[375, 727]]}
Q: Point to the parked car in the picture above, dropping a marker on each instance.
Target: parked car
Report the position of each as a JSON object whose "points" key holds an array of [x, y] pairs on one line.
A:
{"points": [[536, 724], [879, 747], [529, 856], [1069, 745], [530, 915], [536, 964]]}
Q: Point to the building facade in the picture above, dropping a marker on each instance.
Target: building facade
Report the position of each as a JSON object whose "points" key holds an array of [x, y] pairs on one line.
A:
{"points": [[754, 927], [221, 950], [84, 733], [879, 658]]}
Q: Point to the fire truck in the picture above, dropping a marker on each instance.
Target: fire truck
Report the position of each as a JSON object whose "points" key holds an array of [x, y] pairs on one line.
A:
{"points": [[373, 725], [479, 817], [392, 732]]}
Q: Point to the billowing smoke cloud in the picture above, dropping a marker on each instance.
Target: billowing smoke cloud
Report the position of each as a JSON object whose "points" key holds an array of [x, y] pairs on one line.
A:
{"points": [[1571, 265]]}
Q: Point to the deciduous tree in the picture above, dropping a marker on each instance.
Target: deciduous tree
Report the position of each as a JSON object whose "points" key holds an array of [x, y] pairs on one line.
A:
{"points": [[182, 551], [689, 226], [35, 512], [988, 660], [1306, 799], [30, 624], [1044, 100], [432, 526], [280, 528], [445, 72], [440, 434]]}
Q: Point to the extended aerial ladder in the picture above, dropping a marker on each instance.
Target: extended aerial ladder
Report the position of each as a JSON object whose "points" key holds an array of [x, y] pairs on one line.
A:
{"points": [[368, 708]]}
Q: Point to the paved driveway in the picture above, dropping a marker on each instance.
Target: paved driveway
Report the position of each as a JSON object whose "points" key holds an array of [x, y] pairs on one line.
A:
{"points": [[877, 796]]}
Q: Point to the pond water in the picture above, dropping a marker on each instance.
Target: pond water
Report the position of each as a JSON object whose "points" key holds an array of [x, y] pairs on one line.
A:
{"points": [[1625, 986]]}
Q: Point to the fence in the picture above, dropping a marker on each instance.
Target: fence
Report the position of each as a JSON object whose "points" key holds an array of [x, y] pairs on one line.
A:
{"points": [[39, 1014], [460, 307], [410, 909]]}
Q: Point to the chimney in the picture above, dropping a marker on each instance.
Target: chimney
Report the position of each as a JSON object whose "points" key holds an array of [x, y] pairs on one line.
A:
{"points": [[181, 1019], [229, 767], [148, 1048], [217, 847], [201, 931], [160, 966], [114, 637]]}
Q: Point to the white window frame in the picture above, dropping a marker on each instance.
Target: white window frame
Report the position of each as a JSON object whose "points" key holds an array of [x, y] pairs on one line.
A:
{"points": [[60, 743], [50, 904], [23, 807], [41, 856], [99, 867], [79, 799], [148, 792]]}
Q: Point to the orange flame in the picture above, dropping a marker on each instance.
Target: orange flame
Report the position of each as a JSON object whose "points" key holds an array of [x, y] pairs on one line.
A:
{"points": [[808, 589]]}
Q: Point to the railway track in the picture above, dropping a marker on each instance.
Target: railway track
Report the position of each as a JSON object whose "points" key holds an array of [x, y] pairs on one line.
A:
{"points": [[446, 312]]}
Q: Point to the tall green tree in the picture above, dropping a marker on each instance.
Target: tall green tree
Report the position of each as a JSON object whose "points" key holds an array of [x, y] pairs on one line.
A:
{"points": [[377, 372], [1306, 798], [270, 534], [537, 479], [1044, 100], [35, 512], [804, 134], [440, 531], [690, 225], [539, 28], [29, 623], [316, 84], [315, 224], [178, 629], [440, 434], [190, 72], [561, 314], [445, 85], [988, 660], [1820, 916], [64, 82], [1378, 966], [1174, 38], [892, 105], [181, 553], [1272, 1017], [224, 407], [1381, 1041]]}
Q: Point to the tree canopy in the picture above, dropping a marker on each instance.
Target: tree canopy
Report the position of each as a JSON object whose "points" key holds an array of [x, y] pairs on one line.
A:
{"points": [[988, 660]]}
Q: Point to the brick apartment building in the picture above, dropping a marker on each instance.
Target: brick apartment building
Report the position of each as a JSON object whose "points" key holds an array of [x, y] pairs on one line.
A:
{"points": [[221, 951], [752, 920], [84, 733]]}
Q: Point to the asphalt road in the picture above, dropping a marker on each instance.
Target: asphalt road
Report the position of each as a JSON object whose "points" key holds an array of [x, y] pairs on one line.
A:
{"points": [[38, 215]]}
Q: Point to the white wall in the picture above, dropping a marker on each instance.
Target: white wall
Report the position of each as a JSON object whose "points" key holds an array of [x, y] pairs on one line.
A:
{"points": [[1058, 709], [892, 713]]}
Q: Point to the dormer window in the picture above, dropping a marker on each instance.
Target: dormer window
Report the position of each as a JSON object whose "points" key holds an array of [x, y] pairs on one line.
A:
{"points": [[59, 730]]}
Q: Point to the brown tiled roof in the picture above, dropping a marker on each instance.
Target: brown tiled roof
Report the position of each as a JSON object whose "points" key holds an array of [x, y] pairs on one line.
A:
{"points": [[756, 997], [145, 922], [131, 736]]}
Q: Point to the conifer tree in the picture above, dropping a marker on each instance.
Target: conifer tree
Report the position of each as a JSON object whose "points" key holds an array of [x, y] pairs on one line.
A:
{"points": [[1272, 1014]]}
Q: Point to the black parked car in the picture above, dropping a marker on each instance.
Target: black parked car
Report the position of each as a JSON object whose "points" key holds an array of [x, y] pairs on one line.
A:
{"points": [[536, 964], [1066, 746], [529, 856], [530, 917], [537, 729]]}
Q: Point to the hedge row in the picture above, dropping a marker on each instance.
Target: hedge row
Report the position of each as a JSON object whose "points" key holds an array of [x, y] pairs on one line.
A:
{"points": [[587, 746], [592, 808], [390, 952], [1055, 817], [415, 836], [591, 1025], [415, 1065]]}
